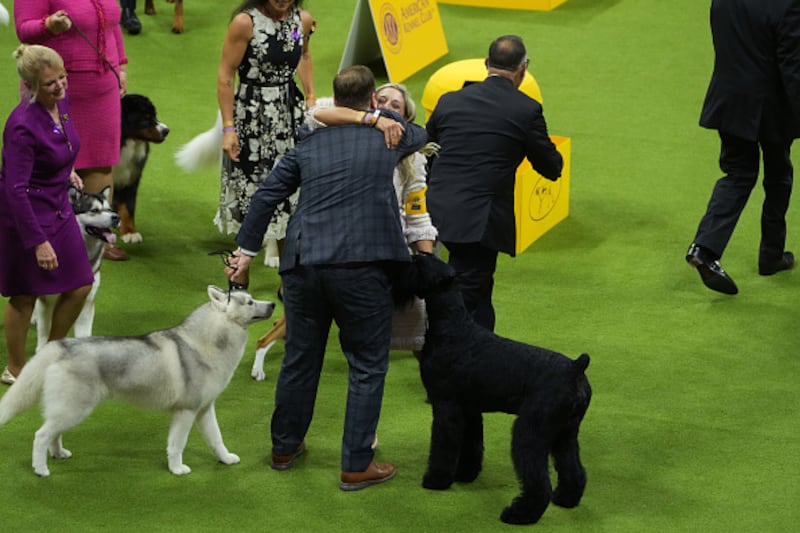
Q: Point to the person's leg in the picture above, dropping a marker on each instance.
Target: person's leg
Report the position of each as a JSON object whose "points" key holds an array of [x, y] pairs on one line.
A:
{"points": [[363, 312], [129, 19], [16, 322], [308, 321], [739, 160], [778, 179], [475, 266], [66, 311]]}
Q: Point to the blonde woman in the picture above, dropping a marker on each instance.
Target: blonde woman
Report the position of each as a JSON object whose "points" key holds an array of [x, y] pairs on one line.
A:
{"points": [[37, 225]]}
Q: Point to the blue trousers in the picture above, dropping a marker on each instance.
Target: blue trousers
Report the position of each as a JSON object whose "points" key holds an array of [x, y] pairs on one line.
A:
{"points": [[358, 299]]}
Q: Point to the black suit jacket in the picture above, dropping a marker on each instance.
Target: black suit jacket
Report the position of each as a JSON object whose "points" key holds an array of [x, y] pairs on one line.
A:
{"points": [[754, 92], [485, 130]]}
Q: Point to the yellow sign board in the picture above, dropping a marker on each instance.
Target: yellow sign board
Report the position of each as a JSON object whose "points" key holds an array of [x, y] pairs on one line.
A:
{"points": [[534, 5], [540, 204], [407, 34]]}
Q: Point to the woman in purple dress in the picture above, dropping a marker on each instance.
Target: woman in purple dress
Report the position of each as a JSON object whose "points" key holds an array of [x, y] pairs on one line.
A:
{"points": [[41, 245], [87, 35]]}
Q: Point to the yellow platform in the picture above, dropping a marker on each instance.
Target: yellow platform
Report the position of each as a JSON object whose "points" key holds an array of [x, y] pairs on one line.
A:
{"points": [[540, 203], [533, 5], [456, 75]]}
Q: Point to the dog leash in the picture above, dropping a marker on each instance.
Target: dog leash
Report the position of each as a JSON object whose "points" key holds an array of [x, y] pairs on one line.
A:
{"points": [[226, 254], [99, 53]]}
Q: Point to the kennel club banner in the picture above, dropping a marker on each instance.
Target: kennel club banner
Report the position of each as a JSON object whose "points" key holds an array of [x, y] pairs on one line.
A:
{"points": [[406, 34]]}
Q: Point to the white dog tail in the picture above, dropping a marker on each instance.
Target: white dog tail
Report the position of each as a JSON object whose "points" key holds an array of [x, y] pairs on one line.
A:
{"points": [[3, 15], [203, 150], [27, 390]]}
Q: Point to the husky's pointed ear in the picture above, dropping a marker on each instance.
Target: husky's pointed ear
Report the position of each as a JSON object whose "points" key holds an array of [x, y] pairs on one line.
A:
{"points": [[217, 295], [74, 193], [106, 193]]}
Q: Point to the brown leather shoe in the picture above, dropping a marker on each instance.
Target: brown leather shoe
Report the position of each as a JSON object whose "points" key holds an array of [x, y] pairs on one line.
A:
{"points": [[112, 253], [285, 462], [374, 474]]}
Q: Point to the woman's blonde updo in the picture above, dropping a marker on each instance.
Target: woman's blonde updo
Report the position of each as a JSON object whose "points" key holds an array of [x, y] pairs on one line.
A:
{"points": [[31, 59]]}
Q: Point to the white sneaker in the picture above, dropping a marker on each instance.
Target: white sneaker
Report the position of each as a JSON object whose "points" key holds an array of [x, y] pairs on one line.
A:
{"points": [[8, 378]]}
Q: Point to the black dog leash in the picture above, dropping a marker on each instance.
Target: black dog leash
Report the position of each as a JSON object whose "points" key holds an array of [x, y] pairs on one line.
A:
{"points": [[226, 254]]}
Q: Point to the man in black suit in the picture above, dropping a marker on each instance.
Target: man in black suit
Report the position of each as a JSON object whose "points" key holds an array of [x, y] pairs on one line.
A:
{"points": [[341, 244], [753, 101], [485, 130]]}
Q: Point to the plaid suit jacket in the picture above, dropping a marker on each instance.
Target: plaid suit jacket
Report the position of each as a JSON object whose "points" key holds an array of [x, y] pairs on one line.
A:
{"points": [[347, 210]]}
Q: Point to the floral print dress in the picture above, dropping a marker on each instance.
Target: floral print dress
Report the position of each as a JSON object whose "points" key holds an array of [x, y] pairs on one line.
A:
{"points": [[268, 109]]}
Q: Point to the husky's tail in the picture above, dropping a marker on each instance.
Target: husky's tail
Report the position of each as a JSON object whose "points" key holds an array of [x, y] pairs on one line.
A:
{"points": [[3, 15], [204, 150], [27, 390]]}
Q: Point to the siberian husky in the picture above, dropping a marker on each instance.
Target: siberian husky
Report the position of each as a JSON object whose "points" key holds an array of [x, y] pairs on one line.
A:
{"points": [[182, 369], [95, 218]]}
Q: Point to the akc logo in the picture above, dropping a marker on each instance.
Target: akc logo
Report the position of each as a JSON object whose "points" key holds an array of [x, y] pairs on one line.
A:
{"points": [[391, 27], [544, 198]]}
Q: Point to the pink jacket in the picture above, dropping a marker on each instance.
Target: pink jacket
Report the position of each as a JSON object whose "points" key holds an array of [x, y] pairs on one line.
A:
{"points": [[78, 55]]}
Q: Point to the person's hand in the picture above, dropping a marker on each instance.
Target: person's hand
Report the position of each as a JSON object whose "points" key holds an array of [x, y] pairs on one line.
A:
{"points": [[58, 22], [392, 130], [238, 268], [75, 180], [45, 256], [123, 83], [230, 145]]}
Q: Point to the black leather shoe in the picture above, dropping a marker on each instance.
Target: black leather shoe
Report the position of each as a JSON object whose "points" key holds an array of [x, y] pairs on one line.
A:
{"points": [[711, 272], [784, 263], [130, 21]]}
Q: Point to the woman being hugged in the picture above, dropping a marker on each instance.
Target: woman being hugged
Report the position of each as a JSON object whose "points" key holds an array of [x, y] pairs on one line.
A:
{"points": [[267, 44], [40, 240]]}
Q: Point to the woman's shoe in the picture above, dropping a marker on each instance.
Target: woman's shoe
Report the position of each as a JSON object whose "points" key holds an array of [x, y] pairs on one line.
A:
{"points": [[8, 378]]}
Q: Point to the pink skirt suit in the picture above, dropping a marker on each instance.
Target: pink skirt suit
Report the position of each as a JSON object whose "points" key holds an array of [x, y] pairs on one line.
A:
{"points": [[37, 159], [93, 86]]}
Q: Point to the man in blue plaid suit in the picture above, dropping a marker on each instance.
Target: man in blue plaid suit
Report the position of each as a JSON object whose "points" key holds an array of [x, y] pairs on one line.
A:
{"points": [[341, 243]]}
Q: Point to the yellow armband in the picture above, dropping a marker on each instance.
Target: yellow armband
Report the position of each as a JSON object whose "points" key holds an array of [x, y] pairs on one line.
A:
{"points": [[415, 203]]}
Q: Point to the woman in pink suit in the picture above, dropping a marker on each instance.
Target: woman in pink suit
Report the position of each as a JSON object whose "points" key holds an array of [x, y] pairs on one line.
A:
{"points": [[40, 240], [87, 34]]}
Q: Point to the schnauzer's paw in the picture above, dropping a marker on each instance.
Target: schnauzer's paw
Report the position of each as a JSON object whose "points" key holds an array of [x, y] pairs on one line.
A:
{"points": [[467, 474], [436, 481], [567, 498], [519, 514]]}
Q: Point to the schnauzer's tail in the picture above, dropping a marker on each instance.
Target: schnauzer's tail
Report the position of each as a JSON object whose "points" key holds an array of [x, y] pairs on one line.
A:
{"points": [[581, 363]]}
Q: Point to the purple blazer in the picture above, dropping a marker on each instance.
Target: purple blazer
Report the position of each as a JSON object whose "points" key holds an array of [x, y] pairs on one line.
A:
{"points": [[37, 160]]}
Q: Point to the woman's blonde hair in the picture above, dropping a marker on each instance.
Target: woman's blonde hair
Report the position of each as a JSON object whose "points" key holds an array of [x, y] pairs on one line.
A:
{"points": [[31, 59], [411, 107]]}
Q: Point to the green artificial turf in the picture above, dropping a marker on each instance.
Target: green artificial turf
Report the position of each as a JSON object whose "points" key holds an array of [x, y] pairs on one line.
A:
{"points": [[694, 421]]}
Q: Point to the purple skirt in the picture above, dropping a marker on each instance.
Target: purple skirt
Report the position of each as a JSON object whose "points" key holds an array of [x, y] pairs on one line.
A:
{"points": [[20, 273]]}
